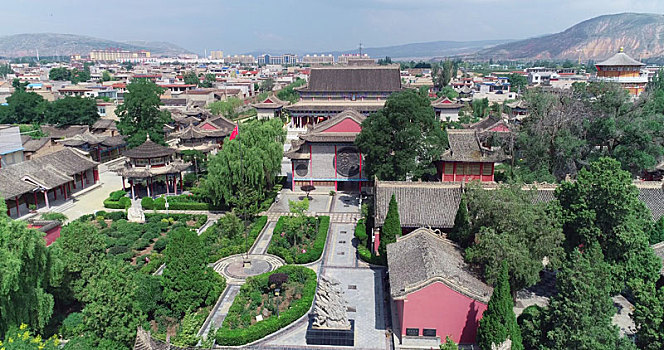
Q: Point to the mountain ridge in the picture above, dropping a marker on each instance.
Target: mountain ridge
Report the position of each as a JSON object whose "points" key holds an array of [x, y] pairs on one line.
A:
{"points": [[56, 44], [640, 34]]}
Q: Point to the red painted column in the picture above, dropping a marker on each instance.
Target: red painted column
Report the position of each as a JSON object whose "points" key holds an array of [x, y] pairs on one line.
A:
{"points": [[69, 187], [82, 184], [454, 171], [55, 194], [36, 203], [95, 175], [335, 168], [360, 171], [123, 186], [64, 191], [292, 176]]}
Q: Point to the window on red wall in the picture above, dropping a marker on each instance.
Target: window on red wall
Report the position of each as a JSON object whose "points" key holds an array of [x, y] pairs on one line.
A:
{"points": [[475, 169], [413, 332], [449, 168], [486, 170], [429, 332]]}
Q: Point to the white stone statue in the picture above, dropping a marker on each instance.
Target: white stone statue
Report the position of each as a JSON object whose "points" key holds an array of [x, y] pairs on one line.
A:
{"points": [[330, 311]]}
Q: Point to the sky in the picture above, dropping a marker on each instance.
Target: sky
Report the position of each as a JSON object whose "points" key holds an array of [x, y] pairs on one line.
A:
{"points": [[279, 26]]}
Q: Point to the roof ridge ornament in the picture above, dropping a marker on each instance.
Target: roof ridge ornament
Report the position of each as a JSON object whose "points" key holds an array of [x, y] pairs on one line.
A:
{"points": [[622, 49]]}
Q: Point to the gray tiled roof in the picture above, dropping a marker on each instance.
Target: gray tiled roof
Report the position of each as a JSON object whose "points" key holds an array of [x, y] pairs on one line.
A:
{"points": [[465, 147], [421, 258], [50, 170], [354, 79], [434, 204], [148, 149], [421, 204]]}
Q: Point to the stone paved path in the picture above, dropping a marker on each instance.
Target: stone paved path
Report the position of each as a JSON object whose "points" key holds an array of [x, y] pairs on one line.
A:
{"points": [[220, 310]]}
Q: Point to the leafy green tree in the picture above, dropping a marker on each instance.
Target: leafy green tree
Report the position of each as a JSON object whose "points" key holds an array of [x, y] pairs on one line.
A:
{"points": [[140, 114], [72, 111], [60, 73], [208, 82], [391, 227], [5, 69], [112, 310], [191, 78], [602, 207], [498, 322], [403, 139], [250, 161], [530, 324], [480, 108], [579, 316], [80, 261], [27, 269], [518, 82], [449, 92], [288, 93], [506, 225], [648, 316], [78, 76], [106, 76], [187, 280], [24, 107], [267, 84], [226, 108], [656, 233], [449, 344]]}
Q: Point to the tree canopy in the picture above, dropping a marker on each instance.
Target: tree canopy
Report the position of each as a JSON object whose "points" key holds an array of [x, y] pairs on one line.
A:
{"points": [[391, 227], [506, 226], [251, 160], [579, 316], [24, 107], [27, 269], [602, 207], [403, 139], [226, 107], [140, 114], [72, 110]]}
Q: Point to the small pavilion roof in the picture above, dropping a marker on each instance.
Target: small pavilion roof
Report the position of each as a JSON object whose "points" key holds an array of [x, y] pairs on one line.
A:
{"points": [[149, 149], [421, 258], [445, 103], [465, 147], [271, 101], [194, 132]]}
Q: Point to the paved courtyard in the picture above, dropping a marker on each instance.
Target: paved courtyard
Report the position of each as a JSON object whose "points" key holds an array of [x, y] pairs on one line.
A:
{"points": [[92, 201], [318, 203]]}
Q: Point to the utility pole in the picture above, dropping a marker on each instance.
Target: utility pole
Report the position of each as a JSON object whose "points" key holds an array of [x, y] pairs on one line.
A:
{"points": [[360, 49]]}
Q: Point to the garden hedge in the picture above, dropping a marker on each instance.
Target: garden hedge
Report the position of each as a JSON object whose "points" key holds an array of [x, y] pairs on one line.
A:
{"points": [[254, 231], [312, 254], [181, 202], [297, 309], [362, 237]]}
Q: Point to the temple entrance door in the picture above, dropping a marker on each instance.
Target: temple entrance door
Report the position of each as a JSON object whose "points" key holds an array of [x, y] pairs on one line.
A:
{"points": [[348, 186]]}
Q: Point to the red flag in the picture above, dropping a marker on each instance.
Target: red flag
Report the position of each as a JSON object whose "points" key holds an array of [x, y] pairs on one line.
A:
{"points": [[234, 132]]}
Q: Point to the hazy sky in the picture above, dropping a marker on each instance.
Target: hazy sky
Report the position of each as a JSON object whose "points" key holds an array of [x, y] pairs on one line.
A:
{"points": [[311, 25]]}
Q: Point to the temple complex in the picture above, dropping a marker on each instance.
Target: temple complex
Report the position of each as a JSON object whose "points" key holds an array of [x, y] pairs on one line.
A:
{"points": [[446, 110], [101, 148], [325, 155], [332, 90], [468, 159], [151, 168], [40, 182], [207, 136], [270, 107], [625, 71]]}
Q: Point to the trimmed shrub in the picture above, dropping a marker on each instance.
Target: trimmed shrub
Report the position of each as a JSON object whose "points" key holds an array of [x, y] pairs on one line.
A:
{"points": [[72, 326], [117, 200], [367, 256], [147, 203], [116, 195], [141, 244], [160, 244], [240, 336], [54, 216], [361, 232], [118, 249]]}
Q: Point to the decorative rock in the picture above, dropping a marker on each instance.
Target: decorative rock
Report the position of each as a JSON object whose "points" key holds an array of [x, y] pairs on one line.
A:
{"points": [[330, 309], [135, 214]]}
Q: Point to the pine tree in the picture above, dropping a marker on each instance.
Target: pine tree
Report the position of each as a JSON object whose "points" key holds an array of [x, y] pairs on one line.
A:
{"points": [[498, 322], [391, 228]]}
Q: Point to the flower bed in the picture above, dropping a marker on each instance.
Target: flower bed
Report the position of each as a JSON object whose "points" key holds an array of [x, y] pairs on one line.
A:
{"points": [[257, 297], [296, 245], [222, 244]]}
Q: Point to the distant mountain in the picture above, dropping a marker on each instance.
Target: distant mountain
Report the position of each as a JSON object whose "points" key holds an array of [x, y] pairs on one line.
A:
{"points": [[641, 35], [426, 50], [51, 44]]}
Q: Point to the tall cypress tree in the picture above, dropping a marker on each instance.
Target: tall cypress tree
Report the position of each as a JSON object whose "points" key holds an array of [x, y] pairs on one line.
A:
{"points": [[391, 227], [461, 229], [498, 322]]}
